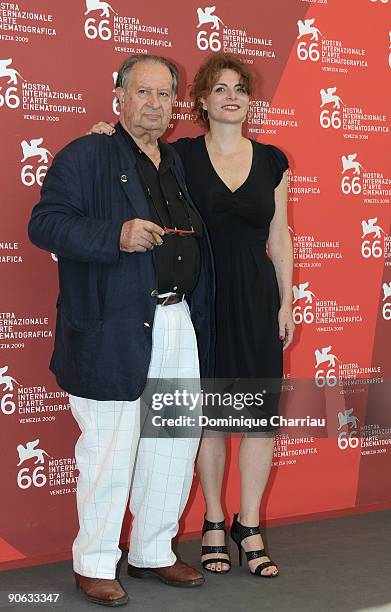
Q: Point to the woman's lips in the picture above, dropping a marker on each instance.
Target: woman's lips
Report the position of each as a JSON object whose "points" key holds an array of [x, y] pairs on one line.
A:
{"points": [[231, 107]]}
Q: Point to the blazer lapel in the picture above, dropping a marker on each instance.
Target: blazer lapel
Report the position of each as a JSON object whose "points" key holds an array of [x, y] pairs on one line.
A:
{"points": [[129, 179]]}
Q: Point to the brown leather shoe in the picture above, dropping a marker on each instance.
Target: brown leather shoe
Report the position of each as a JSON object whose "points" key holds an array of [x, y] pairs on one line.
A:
{"points": [[180, 574], [102, 590]]}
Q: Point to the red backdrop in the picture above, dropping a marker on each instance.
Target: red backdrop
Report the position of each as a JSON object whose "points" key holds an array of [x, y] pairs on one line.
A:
{"points": [[323, 65]]}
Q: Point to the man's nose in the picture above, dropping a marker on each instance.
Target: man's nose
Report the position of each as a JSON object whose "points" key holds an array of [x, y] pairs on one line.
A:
{"points": [[153, 99]]}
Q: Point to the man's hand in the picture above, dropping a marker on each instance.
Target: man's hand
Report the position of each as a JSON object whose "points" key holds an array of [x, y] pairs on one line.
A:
{"points": [[140, 235]]}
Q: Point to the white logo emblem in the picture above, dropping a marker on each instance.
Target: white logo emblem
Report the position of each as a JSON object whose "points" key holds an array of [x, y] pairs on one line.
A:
{"points": [[328, 97], [97, 5], [348, 439], [208, 39], [33, 149], [330, 117], [7, 381], [386, 290], [11, 73], [369, 227], [324, 355], [206, 16], [371, 248], [301, 292], [347, 418], [349, 163], [307, 28], [98, 27], [30, 175], [30, 452]]}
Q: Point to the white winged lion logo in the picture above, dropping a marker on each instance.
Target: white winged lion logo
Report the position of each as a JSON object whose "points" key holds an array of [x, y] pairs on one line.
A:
{"points": [[328, 97], [301, 292], [369, 227], [7, 381], [347, 418], [206, 16], [97, 5], [32, 149], [30, 452], [11, 73], [349, 163], [324, 355], [306, 27]]}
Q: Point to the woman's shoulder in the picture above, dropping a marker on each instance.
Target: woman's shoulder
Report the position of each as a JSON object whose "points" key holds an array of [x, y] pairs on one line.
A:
{"points": [[275, 154], [277, 159], [269, 149]]}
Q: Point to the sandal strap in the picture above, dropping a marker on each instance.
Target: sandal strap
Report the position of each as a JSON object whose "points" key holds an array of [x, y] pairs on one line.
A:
{"points": [[262, 566], [209, 526], [240, 532], [255, 554], [207, 550], [246, 532]]}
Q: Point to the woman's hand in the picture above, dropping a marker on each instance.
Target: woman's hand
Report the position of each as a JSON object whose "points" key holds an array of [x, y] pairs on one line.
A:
{"points": [[102, 128], [286, 325]]}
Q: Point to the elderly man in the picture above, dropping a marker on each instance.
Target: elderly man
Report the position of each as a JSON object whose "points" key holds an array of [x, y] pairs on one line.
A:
{"points": [[127, 313]]}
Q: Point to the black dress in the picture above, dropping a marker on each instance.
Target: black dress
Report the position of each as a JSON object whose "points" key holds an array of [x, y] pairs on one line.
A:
{"points": [[247, 295]]}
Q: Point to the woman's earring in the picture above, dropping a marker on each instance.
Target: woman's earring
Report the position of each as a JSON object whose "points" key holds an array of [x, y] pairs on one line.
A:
{"points": [[205, 115]]}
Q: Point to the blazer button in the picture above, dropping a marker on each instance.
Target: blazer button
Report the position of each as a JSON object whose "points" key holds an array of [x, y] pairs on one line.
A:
{"points": [[146, 324], [154, 293], [124, 178]]}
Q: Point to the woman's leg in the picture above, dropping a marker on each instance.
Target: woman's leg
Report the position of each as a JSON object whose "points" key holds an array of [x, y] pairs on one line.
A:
{"points": [[255, 458], [210, 466]]}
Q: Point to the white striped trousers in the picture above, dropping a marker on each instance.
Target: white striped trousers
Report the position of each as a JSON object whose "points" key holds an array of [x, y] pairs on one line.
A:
{"points": [[113, 461]]}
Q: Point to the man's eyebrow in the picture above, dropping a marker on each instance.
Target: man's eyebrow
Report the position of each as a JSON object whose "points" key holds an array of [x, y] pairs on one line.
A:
{"points": [[141, 86]]}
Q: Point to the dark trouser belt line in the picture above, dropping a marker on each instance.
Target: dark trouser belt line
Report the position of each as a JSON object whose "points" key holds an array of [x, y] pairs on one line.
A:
{"points": [[175, 298]]}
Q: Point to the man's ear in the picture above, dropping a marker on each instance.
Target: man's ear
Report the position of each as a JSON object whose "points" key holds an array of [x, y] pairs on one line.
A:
{"points": [[120, 93]]}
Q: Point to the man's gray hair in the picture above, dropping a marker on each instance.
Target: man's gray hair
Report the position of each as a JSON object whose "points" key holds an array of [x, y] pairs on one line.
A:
{"points": [[132, 60]]}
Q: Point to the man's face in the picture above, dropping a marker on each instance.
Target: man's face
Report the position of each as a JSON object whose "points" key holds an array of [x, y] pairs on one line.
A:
{"points": [[146, 102]]}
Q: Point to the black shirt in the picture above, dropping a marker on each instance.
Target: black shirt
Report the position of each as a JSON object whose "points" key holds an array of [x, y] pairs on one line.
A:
{"points": [[177, 260]]}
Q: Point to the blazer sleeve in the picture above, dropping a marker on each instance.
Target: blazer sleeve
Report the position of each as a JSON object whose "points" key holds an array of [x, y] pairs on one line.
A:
{"points": [[60, 222]]}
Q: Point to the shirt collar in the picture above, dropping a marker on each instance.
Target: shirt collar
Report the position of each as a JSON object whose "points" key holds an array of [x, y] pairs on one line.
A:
{"points": [[164, 160]]}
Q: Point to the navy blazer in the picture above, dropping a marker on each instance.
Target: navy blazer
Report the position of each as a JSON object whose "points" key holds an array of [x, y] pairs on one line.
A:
{"points": [[107, 298]]}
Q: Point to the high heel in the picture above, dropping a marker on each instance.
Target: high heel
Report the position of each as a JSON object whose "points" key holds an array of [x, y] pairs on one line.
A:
{"points": [[238, 533], [206, 550]]}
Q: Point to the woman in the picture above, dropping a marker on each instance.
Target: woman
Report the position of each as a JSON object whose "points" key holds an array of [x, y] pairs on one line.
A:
{"points": [[240, 188]]}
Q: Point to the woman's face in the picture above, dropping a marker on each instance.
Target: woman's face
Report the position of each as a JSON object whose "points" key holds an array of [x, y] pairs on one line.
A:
{"points": [[228, 101]]}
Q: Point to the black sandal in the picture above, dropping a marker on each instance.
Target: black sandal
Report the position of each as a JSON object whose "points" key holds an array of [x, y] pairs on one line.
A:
{"points": [[206, 550], [238, 533]]}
